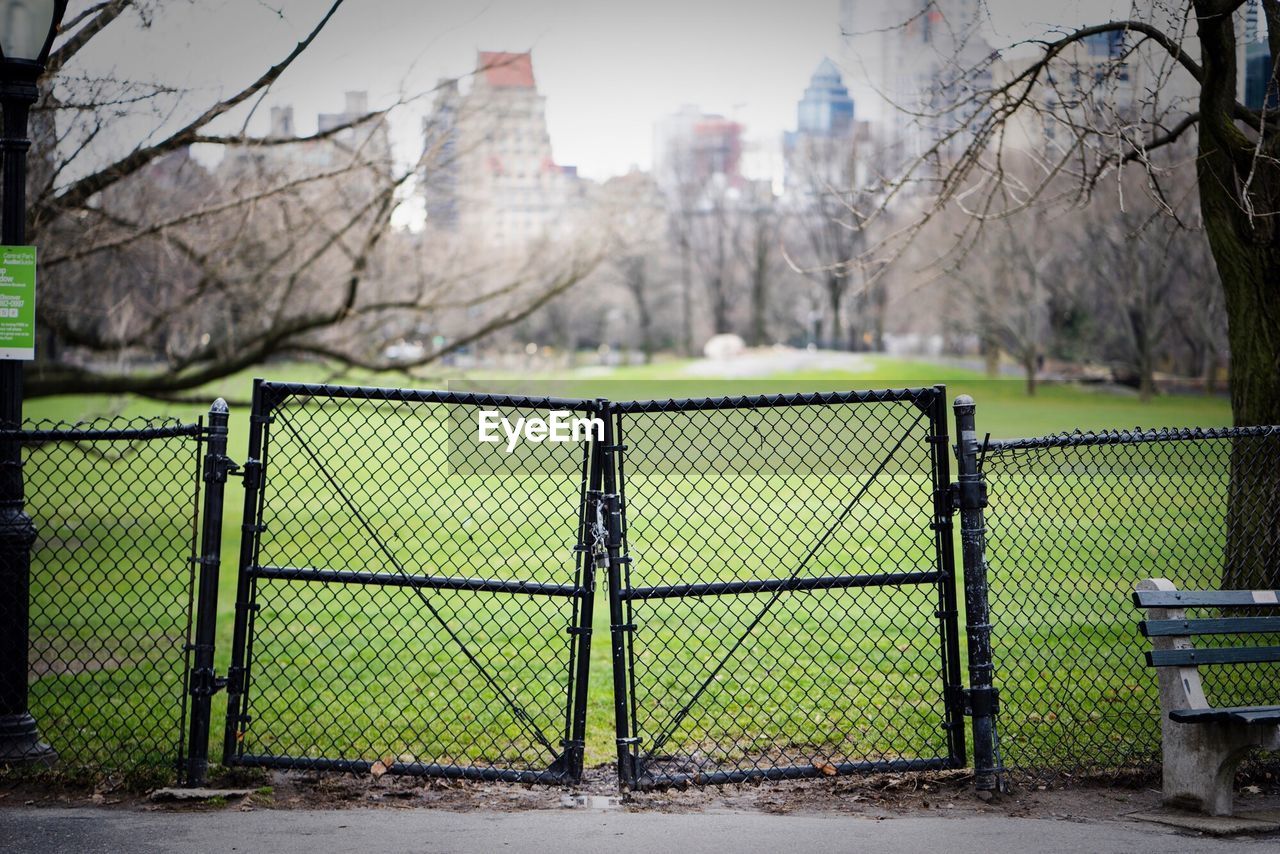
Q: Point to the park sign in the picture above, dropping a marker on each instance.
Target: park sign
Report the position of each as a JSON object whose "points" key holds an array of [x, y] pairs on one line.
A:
{"points": [[17, 302]]}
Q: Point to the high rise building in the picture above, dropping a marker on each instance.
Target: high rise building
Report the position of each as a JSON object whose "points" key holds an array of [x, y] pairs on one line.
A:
{"points": [[913, 66], [1257, 61], [352, 139], [439, 167], [826, 108], [690, 147], [489, 171], [821, 151]]}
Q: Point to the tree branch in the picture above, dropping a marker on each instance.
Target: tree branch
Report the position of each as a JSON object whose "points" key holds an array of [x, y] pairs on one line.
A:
{"points": [[102, 15], [85, 188]]}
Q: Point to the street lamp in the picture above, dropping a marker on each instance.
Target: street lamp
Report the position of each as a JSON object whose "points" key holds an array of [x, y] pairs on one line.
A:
{"points": [[27, 28]]}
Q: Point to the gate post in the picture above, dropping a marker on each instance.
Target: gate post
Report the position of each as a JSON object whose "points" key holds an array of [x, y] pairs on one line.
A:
{"points": [[972, 498], [203, 682], [250, 530], [611, 511]]}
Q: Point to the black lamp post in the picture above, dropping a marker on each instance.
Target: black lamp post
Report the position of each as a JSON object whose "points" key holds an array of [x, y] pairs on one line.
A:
{"points": [[27, 28]]}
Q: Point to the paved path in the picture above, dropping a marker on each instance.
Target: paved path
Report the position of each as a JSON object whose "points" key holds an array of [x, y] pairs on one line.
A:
{"points": [[87, 830]]}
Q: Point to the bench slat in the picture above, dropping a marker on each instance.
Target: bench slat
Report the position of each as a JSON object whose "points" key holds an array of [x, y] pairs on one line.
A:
{"points": [[1212, 655], [1215, 626], [1205, 598], [1234, 714]]}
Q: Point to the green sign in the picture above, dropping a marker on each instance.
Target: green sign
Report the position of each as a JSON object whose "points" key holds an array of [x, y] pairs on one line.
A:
{"points": [[17, 302]]}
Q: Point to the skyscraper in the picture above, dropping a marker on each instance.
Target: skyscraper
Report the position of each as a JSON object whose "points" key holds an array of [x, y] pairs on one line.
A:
{"points": [[826, 107], [498, 182], [690, 146], [913, 66], [1257, 61], [821, 150]]}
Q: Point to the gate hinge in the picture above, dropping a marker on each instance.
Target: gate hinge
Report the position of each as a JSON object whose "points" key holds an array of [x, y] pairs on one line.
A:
{"points": [[205, 682], [977, 702], [217, 467]]}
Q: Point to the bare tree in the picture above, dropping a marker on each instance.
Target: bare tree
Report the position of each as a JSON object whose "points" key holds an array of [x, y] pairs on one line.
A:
{"points": [[1078, 120], [759, 241], [827, 244], [1007, 277], [285, 250]]}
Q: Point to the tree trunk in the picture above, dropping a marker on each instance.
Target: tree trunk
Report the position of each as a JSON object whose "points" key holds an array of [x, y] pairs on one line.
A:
{"points": [[1146, 369], [645, 319], [1029, 369], [686, 300], [1247, 255], [991, 358], [833, 304], [719, 304], [759, 292]]}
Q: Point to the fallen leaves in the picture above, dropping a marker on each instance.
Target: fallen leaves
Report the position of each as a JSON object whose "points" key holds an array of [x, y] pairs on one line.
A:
{"points": [[382, 766]]}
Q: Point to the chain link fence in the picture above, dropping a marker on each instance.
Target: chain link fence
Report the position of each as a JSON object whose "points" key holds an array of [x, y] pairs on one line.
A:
{"points": [[114, 504], [788, 601], [408, 604], [781, 575], [1074, 522]]}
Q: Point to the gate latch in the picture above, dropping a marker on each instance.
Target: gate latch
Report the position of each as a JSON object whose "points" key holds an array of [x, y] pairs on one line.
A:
{"points": [[205, 682], [250, 473], [970, 493]]}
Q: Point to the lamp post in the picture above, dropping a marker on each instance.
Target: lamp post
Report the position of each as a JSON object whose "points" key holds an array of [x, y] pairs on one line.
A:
{"points": [[27, 28]]}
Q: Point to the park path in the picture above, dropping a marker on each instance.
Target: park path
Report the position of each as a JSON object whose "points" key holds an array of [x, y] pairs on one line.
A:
{"points": [[569, 831]]}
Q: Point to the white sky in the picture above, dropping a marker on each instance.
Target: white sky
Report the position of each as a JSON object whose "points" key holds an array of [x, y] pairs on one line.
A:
{"points": [[608, 68]]}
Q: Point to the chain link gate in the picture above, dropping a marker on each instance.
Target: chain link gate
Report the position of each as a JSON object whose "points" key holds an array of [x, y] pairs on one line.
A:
{"points": [[407, 604], [782, 587]]}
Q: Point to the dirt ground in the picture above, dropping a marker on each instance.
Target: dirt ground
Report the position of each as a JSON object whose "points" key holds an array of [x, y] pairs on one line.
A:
{"points": [[881, 796]]}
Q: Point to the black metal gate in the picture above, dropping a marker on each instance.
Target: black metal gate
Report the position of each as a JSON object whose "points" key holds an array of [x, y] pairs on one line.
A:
{"points": [[782, 587], [782, 590], [407, 603]]}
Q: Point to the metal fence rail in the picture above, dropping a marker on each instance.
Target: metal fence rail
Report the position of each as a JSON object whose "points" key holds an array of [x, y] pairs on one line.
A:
{"points": [[1074, 521], [114, 506], [785, 604], [409, 604]]}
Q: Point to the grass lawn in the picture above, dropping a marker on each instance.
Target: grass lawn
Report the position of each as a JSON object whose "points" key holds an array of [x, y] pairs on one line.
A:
{"points": [[368, 672]]}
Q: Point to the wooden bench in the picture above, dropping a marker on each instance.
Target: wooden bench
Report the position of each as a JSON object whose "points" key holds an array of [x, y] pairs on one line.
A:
{"points": [[1204, 744]]}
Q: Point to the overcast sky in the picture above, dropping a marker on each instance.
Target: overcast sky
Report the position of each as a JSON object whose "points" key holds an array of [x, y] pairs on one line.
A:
{"points": [[608, 68]]}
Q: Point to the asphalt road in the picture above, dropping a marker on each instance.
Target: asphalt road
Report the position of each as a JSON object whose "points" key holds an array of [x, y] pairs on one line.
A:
{"points": [[87, 830]]}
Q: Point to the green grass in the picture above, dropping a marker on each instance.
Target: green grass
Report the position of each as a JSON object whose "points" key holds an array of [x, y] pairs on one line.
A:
{"points": [[372, 672]]}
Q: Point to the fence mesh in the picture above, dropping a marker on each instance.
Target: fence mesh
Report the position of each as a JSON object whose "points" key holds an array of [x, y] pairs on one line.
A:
{"points": [[1074, 522], [114, 506], [415, 599], [783, 593]]}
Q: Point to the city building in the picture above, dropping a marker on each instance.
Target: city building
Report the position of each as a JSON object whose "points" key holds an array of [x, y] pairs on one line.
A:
{"points": [[826, 108], [489, 173], [823, 150], [353, 138], [690, 147], [1257, 62], [438, 171], [913, 66]]}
